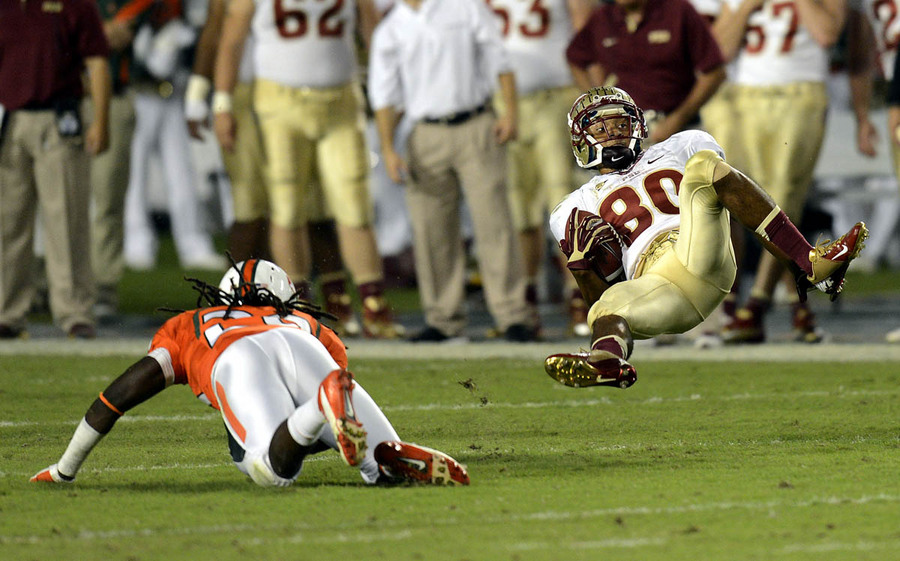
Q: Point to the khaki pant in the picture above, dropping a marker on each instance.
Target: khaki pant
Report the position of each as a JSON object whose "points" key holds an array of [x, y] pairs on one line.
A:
{"points": [[246, 165], [314, 136], [39, 167], [782, 129], [109, 183], [541, 168], [447, 163]]}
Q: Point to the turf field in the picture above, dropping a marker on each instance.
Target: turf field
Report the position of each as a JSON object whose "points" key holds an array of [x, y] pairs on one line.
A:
{"points": [[699, 460]]}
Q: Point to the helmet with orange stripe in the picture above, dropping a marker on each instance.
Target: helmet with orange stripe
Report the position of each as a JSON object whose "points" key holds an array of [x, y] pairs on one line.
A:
{"points": [[250, 276]]}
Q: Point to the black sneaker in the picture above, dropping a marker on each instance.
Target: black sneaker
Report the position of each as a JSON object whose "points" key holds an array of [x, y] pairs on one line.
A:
{"points": [[429, 335], [82, 331], [434, 335], [520, 333], [10, 332]]}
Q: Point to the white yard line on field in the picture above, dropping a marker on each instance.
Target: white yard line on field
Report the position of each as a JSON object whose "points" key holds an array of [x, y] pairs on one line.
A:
{"points": [[365, 349], [570, 403], [211, 416], [312, 534]]}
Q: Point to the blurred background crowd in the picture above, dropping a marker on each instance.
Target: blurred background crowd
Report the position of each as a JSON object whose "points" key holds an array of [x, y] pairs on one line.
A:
{"points": [[371, 144]]}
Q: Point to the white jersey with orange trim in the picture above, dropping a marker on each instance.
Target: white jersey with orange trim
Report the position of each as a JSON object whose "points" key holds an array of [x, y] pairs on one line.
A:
{"points": [[884, 17], [641, 202], [536, 35], [305, 44], [778, 48]]}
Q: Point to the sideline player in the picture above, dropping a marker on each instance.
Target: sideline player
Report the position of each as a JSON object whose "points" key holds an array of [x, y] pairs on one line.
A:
{"points": [[259, 356], [667, 209], [540, 168], [309, 104], [780, 99], [245, 164]]}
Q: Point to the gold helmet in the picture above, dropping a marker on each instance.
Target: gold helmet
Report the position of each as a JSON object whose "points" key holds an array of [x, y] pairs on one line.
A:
{"points": [[600, 104]]}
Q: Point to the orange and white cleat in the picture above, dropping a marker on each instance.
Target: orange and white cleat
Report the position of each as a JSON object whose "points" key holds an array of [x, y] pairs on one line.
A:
{"points": [[336, 403], [51, 475], [830, 261], [405, 462]]}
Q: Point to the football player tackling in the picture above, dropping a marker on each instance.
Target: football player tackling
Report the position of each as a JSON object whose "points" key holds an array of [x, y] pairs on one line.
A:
{"points": [[259, 356], [666, 211]]}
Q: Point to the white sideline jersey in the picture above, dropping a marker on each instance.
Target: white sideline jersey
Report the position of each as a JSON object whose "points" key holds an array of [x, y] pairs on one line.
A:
{"points": [[778, 48], [642, 202], [884, 17], [536, 36], [245, 70], [305, 44]]}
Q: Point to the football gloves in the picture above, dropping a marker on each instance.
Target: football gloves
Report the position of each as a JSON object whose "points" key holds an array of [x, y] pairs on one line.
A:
{"points": [[585, 233]]}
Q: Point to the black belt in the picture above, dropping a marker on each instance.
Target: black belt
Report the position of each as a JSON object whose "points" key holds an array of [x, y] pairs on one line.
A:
{"points": [[457, 118], [51, 105], [39, 106]]}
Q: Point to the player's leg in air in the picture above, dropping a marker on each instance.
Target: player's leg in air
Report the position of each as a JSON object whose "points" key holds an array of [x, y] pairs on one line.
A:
{"points": [[686, 283]]}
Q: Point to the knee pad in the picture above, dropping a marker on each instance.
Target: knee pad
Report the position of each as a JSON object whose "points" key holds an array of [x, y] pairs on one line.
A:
{"points": [[699, 176], [700, 168]]}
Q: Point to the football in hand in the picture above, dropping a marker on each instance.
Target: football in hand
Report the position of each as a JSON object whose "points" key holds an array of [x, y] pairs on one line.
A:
{"points": [[607, 261], [592, 244]]}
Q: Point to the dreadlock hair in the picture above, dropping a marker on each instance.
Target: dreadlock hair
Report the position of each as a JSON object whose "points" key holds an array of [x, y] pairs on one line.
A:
{"points": [[250, 294]]}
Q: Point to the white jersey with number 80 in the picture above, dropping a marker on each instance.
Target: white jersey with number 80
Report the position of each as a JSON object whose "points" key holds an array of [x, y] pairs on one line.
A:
{"points": [[305, 43], [642, 202]]}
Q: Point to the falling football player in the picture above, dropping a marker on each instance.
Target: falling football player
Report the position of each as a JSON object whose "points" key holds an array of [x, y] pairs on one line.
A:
{"points": [[259, 355], [648, 238]]}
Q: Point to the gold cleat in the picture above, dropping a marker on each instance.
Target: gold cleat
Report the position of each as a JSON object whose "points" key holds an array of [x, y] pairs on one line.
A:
{"points": [[578, 370], [830, 260]]}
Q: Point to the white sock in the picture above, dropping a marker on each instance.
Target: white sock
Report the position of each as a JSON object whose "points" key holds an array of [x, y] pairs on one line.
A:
{"points": [[83, 441], [306, 423]]}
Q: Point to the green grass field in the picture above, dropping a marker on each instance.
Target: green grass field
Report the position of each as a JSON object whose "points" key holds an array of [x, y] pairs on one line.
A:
{"points": [[697, 461]]}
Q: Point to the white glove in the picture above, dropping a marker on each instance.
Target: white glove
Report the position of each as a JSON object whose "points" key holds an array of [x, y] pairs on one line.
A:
{"points": [[196, 107]]}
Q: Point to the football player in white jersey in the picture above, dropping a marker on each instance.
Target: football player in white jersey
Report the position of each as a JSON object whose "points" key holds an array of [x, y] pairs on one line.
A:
{"points": [[245, 165], [780, 68], [309, 104], [536, 35], [662, 216]]}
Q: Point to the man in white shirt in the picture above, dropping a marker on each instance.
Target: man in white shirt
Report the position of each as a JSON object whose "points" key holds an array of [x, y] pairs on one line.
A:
{"points": [[439, 61]]}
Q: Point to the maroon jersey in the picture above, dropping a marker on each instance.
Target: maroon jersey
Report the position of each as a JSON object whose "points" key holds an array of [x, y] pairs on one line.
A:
{"points": [[657, 62], [43, 45]]}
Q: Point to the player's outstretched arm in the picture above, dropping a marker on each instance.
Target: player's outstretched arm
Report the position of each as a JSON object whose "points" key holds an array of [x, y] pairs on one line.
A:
{"points": [[140, 382]]}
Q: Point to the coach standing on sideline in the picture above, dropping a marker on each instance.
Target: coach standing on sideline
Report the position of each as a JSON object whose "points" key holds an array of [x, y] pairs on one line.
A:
{"points": [[439, 60], [45, 45]]}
